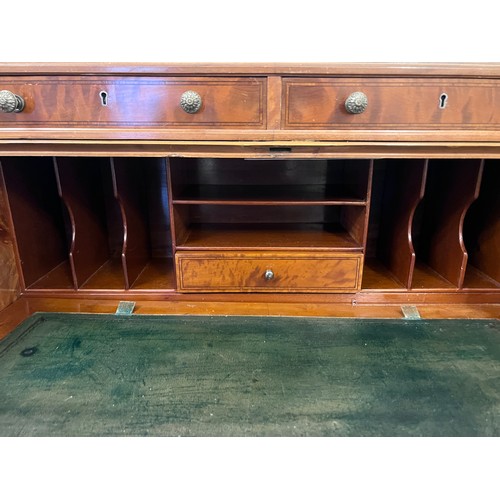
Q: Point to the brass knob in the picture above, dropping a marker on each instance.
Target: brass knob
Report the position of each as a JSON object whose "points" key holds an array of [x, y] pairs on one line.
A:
{"points": [[191, 101], [268, 275], [356, 103], [10, 102]]}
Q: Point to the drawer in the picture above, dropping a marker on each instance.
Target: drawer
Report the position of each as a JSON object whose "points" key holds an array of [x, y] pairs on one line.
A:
{"points": [[268, 271], [136, 102], [393, 103]]}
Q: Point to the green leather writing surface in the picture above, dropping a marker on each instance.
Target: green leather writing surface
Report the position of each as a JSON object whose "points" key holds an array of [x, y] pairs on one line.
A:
{"points": [[107, 375]]}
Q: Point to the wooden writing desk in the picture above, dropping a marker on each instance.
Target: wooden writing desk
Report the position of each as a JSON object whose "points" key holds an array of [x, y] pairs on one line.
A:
{"points": [[317, 186]]}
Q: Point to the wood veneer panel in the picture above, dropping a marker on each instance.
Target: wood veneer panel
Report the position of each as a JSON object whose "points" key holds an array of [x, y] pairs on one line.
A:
{"points": [[10, 286], [393, 103], [451, 188], [236, 271], [37, 217], [404, 188], [69, 102]]}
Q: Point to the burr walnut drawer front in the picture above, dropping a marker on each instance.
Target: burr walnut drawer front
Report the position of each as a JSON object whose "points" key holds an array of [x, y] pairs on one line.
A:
{"points": [[391, 103], [136, 102], [268, 271]]}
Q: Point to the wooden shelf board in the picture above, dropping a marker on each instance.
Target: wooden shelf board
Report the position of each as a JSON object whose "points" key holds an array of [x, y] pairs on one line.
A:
{"points": [[157, 275], [377, 277], [58, 278], [266, 195], [107, 277], [424, 277], [267, 237], [474, 278]]}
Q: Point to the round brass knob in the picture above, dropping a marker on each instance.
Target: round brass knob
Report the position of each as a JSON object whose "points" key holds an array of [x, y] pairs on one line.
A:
{"points": [[10, 102], [268, 275], [356, 103], [191, 101]]}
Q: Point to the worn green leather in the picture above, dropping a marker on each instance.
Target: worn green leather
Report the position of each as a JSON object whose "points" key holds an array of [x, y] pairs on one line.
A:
{"points": [[105, 375]]}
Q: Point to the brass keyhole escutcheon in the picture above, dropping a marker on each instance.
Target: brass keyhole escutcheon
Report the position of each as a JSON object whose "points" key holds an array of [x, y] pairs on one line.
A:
{"points": [[104, 97], [443, 100]]}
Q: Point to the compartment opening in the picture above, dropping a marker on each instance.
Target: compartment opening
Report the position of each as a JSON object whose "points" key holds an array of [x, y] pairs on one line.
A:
{"points": [[482, 232]]}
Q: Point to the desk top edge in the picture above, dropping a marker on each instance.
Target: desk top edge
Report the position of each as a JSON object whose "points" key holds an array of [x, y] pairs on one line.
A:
{"points": [[476, 70]]}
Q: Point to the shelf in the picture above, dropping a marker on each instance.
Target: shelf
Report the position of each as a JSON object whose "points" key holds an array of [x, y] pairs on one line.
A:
{"points": [[107, 277], [267, 236], [476, 279], [266, 195], [157, 275], [59, 278], [424, 277], [378, 277]]}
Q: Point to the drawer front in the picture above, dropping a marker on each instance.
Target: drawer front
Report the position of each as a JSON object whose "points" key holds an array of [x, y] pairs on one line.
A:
{"points": [[393, 103], [268, 272], [137, 102]]}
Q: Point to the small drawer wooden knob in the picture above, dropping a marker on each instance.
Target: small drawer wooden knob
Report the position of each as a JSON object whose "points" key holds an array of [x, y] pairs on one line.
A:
{"points": [[268, 275], [356, 103], [10, 102], [191, 101]]}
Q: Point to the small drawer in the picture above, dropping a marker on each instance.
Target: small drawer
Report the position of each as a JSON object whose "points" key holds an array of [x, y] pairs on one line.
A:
{"points": [[392, 103], [136, 102], [268, 272]]}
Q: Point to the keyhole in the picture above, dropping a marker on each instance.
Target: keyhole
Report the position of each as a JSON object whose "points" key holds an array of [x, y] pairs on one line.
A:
{"points": [[104, 97], [443, 98]]}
